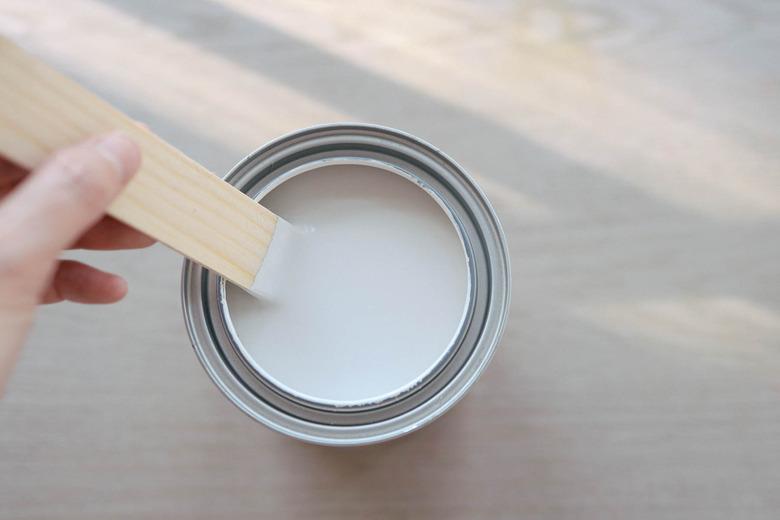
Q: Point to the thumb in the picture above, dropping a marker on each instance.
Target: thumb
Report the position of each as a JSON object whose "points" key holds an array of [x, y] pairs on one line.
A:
{"points": [[67, 194]]}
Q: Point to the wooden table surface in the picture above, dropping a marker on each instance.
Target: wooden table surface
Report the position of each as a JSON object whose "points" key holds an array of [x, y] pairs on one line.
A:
{"points": [[632, 150]]}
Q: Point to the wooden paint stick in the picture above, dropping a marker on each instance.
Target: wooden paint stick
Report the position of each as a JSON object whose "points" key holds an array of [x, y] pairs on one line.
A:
{"points": [[172, 198]]}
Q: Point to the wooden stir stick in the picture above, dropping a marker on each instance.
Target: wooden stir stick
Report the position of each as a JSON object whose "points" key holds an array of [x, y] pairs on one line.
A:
{"points": [[172, 198]]}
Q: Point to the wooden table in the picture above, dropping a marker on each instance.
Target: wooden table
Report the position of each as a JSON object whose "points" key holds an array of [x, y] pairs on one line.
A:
{"points": [[632, 152]]}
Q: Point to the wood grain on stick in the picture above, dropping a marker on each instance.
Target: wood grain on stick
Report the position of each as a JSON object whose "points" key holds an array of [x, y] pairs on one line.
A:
{"points": [[172, 198]]}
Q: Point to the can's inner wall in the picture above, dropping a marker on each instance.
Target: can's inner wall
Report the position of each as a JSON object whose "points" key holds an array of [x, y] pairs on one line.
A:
{"points": [[375, 290]]}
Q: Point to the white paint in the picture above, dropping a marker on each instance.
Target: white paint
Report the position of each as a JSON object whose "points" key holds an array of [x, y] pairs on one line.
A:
{"points": [[372, 293], [271, 272]]}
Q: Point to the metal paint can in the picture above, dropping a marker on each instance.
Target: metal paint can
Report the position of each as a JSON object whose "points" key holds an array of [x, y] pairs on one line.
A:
{"points": [[219, 350]]}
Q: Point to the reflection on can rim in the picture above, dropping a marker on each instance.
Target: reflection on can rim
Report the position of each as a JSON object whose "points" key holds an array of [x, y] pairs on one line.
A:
{"points": [[246, 385]]}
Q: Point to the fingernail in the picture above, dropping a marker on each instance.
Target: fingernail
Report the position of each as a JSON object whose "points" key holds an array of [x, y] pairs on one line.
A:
{"points": [[118, 148]]}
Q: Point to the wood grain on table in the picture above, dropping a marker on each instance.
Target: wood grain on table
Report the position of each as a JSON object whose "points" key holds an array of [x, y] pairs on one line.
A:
{"points": [[632, 150]]}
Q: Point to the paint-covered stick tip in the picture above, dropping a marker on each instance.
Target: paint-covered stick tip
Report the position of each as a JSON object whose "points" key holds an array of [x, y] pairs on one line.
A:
{"points": [[272, 273]]}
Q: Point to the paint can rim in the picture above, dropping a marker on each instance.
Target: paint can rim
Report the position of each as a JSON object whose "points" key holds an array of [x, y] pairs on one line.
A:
{"points": [[229, 371]]}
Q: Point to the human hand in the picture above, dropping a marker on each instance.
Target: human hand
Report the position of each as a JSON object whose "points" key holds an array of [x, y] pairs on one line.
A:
{"points": [[60, 205]]}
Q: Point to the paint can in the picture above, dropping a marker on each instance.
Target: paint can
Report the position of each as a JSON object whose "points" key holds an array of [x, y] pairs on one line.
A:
{"points": [[208, 316]]}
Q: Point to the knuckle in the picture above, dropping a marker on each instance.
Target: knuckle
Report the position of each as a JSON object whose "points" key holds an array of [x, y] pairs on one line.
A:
{"points": [[21, 277], [82, 178], [13, 267]]}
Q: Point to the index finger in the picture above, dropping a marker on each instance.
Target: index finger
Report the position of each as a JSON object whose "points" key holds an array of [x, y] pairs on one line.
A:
{"points": [[67, 194]]}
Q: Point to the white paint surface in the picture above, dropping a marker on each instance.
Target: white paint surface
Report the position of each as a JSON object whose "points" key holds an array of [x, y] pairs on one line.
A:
{"points": [[373, 292]]}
